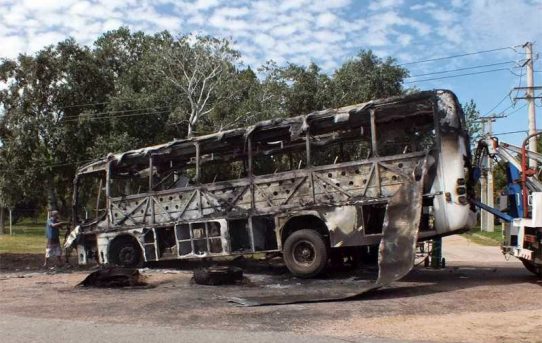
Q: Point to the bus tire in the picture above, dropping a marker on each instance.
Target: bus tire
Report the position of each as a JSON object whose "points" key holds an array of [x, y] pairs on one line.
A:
{"points": [[530, 266], [305, 253], [125, 252]]}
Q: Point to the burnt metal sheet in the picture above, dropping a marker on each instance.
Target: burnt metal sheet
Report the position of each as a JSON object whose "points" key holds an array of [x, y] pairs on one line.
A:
{"points": [[397, 249]]}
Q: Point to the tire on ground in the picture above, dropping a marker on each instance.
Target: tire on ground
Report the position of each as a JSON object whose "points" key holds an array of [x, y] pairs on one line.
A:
{"points": [[305, 253], [125, 252], [218, 275], [530, 266]]}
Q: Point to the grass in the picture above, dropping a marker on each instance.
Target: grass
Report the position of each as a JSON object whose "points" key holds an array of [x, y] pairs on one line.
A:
{"points": [[485, 238], [27, 238]]}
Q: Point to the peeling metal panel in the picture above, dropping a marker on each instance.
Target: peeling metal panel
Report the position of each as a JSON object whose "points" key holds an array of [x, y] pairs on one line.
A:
{"points": [[397, 249]]}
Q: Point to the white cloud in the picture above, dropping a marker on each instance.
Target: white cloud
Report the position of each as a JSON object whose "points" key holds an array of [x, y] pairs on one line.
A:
{"points": [[404, 39], [232, 12], [384, 4], [205, 4], [419, 7], [47, 5], [503, 22], [442, 16], [284, 30], [326, 19], [44, 39], [12, 46], [324, 31], [264, 40]]}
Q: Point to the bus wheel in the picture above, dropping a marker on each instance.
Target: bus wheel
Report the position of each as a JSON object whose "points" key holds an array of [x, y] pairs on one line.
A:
{"points": [[530, 266], [125, 252], [305, 253]]}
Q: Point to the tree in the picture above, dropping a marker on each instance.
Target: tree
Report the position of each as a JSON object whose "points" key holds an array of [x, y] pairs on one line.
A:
{"points": [[139, 104], [42, 140], [367, 77], [200, 68], [474, 124], [308, 91]]}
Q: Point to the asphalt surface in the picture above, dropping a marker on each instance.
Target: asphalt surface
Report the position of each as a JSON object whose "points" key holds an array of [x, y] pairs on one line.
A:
{"points": [[17, 329], [479, 297]]}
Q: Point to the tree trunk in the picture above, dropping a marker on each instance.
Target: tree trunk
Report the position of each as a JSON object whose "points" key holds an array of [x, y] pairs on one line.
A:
{"points": [[2, 221], [51, 194]]}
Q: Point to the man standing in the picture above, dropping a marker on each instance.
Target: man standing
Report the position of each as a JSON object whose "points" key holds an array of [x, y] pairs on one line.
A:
{"points": [[53, 238]]}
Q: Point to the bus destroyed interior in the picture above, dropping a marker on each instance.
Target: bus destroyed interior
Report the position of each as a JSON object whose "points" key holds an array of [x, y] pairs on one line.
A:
{"points": [[309, 187]]}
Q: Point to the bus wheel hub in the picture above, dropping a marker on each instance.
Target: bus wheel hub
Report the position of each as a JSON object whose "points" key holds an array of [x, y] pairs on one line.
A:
{"points": [[304, 253]]}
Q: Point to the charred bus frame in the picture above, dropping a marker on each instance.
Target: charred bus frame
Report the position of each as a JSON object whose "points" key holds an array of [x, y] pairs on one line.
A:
{"points": [[304, 186]]}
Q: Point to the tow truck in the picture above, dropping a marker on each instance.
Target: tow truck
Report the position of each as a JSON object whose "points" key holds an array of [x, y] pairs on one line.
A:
{"points": [[522, 216]]}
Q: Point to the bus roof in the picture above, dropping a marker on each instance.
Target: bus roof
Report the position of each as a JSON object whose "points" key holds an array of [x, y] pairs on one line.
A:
{"points": [[295, 125]]}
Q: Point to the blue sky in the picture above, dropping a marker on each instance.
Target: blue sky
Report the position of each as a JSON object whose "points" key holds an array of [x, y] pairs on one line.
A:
{"points": [[327, 32]]}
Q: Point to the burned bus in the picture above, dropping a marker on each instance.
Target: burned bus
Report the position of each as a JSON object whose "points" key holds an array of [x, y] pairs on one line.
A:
{"points": [[306, 186]]}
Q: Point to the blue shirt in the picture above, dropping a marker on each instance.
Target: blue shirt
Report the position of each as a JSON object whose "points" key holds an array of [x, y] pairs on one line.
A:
{"points": [[51, 232]]}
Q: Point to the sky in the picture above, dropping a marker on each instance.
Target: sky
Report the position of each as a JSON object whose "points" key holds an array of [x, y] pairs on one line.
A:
{"points": [[327, 32]]}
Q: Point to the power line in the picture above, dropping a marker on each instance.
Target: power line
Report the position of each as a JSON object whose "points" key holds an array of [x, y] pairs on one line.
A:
{"points": [[125, 111], [500, 102], [460, 55], [460, 69], [502, 112], [519, 108], [45, 166], [458, 75], [507, 96], [105, 102], [115, 117]]}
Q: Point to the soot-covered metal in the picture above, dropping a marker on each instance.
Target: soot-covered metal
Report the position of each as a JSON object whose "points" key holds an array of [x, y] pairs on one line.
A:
{"points": [[335, 178], [397, 249]]}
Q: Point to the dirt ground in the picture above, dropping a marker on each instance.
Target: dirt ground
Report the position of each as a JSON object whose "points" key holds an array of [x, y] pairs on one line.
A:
{"points": [[478, 297]]}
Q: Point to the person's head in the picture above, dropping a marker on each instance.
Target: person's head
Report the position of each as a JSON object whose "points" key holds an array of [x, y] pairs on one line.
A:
{"points": [[54, 214]]}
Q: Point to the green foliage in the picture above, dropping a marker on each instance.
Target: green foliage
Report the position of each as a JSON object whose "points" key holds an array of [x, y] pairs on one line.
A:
{"points": [[367, 77], [27, 238], [474, 125], [68, 104], [477, 236]]}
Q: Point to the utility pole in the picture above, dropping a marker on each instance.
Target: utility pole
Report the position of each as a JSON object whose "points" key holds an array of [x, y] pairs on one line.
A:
{"points": [[490, 225], [530, 97], [487, 193]]}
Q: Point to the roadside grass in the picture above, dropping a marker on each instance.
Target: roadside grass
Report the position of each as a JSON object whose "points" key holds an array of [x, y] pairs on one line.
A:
{"points": [[27, 238], [476, 235]]}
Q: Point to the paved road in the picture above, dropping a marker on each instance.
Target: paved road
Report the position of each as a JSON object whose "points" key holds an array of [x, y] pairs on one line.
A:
{"points": [[16, 329], [459, 249], [462, 303]]}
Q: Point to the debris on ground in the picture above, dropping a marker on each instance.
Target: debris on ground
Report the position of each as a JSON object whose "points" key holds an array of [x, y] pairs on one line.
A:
{"points": [[113, 277], [218, 275]]}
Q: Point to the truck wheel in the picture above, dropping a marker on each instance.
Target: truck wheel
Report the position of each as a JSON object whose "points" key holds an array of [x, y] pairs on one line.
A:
{"points": [[530, 266], [126, 253], [305, 253]]}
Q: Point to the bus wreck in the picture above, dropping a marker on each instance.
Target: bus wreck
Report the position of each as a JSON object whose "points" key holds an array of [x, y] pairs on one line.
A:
{"points": [[307, 187]]}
